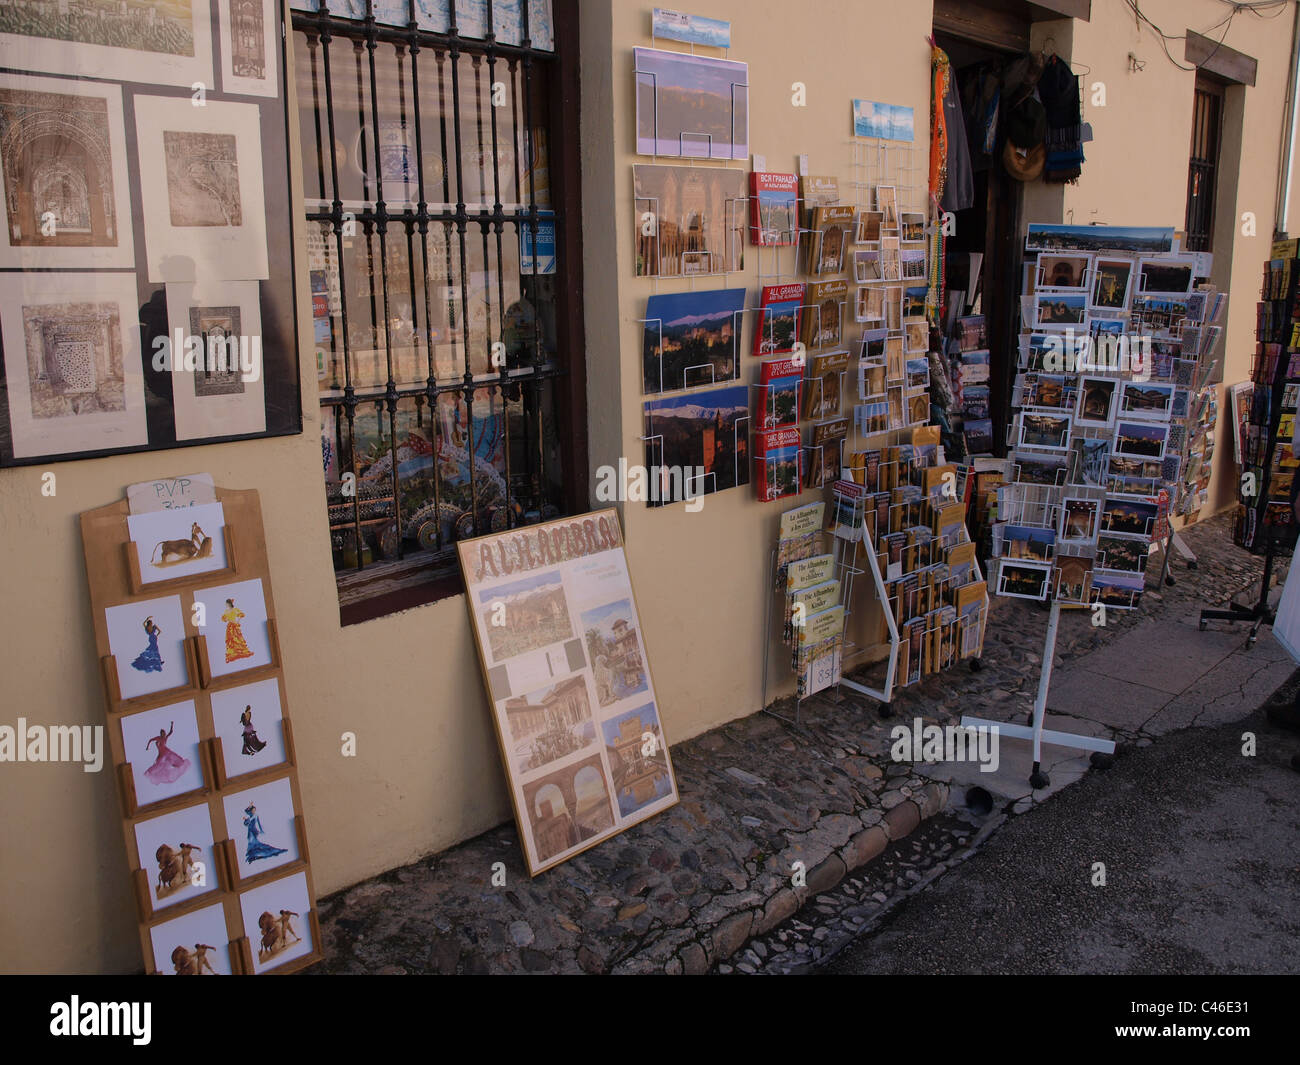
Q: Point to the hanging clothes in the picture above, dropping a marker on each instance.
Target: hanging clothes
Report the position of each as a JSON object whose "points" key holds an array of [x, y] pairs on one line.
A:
{"points": [[959, 193], [1058, 88]]}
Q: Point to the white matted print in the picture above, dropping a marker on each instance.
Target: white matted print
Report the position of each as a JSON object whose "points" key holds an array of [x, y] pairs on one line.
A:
{"points": [[146, 640], [201, 189], [276, 921], [162, 746], [196, 944], [234, 624], [250, 723], [249, 58], [72, 362], [63, 176], [176, 852], [260, 822], [179, 543], [217, 380], [170, 40]]}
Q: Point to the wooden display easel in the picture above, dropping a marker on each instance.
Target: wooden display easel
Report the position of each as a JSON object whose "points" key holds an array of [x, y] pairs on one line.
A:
{"points": [[112, 571]]}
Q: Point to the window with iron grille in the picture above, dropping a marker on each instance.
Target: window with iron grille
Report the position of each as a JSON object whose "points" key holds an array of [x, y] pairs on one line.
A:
{"points": [[1202, 174], [445, 334]]}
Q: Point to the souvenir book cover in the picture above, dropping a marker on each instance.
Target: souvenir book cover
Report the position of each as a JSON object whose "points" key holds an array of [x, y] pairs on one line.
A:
{"points": [[778, 319], [774, 208], [776, 463]]}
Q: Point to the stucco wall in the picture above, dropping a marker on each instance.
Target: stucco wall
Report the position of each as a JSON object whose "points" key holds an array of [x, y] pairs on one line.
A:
{"points": [[426, 773]]}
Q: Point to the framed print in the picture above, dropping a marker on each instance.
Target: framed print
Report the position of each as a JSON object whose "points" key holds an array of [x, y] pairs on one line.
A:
{"points": [[176, 853], [1096, 403], [1128, 517], [249, 722], [63, 174], [276, 918], [1112, 281], [72, 362], [1064, 273], [201, 189], [691, 106], [147, 641], [1023, 580], [1060, 310], [574, 707], [169, 42], [217, 369], [1146, 401], [693, 338], [235, 627], [261, 823], [1140, 440], [1079, 519], [1168, 276], [248, 48], [162, 746], [194, 944], [169, 544], [1043, 430]]}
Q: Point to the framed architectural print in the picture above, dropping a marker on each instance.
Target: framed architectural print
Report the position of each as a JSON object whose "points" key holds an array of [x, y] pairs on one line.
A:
{"points": [[72, 363], [63, 174], [248, 50], [567, 672]]}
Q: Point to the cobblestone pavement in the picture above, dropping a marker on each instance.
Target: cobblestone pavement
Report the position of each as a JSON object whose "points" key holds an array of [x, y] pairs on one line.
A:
{"points": [[685, 891]]}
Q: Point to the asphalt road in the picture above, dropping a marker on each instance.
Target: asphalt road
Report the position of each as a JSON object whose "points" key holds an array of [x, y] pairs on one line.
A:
{"points": [[1201, 847]]}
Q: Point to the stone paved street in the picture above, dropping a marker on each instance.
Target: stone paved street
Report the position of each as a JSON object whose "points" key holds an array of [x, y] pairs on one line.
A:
{"points": [[686, 891]]}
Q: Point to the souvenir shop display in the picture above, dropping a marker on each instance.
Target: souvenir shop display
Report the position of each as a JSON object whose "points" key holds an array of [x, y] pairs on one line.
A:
{"points": [[198, 727]]}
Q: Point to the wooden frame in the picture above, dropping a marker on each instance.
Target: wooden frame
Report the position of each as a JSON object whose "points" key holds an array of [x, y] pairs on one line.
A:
{"points": [[113, 581]]}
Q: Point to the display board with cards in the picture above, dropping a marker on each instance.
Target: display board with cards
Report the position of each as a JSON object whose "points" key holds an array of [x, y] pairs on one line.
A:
{"points": [[1115, 346], [198, 726], [143, 148]]}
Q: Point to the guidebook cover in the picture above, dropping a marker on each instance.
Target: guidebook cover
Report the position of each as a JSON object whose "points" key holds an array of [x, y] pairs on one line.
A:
{"points": [[778, 391], [776, 463], [778, 320], [774, 208]]}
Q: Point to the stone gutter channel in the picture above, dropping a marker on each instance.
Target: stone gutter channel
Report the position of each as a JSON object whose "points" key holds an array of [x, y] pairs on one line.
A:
{"points": [[787, 841]]}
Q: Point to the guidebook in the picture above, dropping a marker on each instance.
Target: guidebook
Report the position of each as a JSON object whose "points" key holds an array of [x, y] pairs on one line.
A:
{"points": [[776, 463], [773, 208], [778, 319]]}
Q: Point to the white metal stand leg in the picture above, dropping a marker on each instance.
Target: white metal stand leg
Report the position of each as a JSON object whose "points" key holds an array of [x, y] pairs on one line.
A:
{"points": [[1035, 732]]}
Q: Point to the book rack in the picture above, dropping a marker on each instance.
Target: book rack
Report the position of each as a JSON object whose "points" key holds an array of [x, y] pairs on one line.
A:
{"points": [[201, 908]]}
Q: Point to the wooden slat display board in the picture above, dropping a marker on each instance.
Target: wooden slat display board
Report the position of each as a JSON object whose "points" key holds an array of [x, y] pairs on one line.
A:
{"points": [[203, 753]]}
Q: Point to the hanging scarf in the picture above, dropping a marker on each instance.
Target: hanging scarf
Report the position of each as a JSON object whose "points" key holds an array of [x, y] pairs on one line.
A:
{"points": [[941, 70]]}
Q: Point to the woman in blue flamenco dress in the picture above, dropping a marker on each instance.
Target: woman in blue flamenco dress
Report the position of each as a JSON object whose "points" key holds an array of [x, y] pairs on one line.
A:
{"points": [[150, 659], [256, 848]]}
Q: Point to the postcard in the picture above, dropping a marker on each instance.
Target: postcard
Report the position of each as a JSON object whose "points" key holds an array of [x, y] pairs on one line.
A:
{"points": [[194, 944], [1063, 272], [72, 362], [913, 227], [249, 721], [178, 543], [1073, 579], [262, 823], [1117, 591], [147, 641], [63, 174], [162, 747], [1080, 238], [201, 189], [1122, 552], [1023, 580], [234, 624], [1140, 440], [1060, 310], [866, 266], [1146, 401], [1129, 517], [1043, 430], [869, 226], [176, 851], [884, 121], [1166, 276], [1026, 542], [1112, 279], [703, 436], [690, 105], [690, 29], [691, 338], [277, 921], [1079, 519], [673, 201], [1038, 469]]}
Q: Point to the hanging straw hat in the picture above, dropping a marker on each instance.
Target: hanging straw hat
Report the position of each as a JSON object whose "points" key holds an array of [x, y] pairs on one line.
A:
{"points": [[1024, 165]]}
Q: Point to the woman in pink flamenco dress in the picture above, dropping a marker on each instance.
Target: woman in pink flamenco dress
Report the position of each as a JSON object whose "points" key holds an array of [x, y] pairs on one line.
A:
{"points": [[168, 766]]}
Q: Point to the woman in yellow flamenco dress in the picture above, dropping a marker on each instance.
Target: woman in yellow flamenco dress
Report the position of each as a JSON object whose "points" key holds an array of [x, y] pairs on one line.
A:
{"points": [[236, 645]]}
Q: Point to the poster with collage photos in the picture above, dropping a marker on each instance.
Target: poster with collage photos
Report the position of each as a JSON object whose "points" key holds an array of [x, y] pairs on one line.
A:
{"points": [[1115, 355], [566, 669], [143, 148]]}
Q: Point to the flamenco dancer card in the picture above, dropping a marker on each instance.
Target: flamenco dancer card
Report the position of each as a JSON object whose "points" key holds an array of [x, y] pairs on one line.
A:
{"points": [[234, 625]]}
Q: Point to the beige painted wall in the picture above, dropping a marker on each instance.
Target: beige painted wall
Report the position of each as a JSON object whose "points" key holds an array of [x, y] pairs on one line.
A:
{"points": [[427, 774]]}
